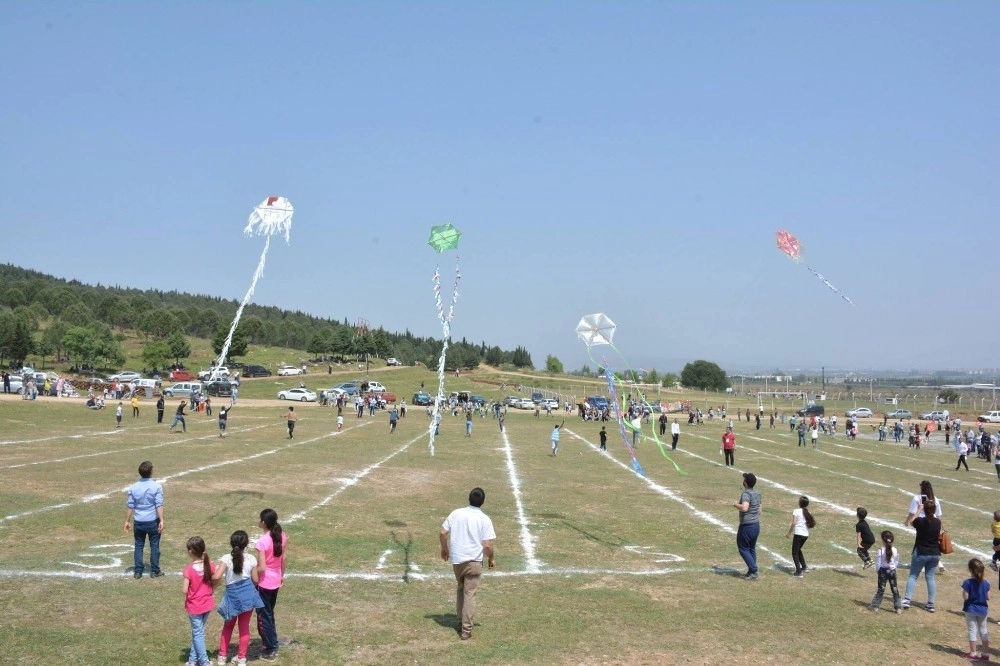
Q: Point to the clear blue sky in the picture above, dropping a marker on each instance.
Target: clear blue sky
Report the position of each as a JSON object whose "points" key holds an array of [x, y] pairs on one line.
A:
{"points": [[631, 158]]}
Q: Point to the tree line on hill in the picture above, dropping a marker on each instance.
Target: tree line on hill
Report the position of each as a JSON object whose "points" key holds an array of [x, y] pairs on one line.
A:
{"points": [[51, 317]]}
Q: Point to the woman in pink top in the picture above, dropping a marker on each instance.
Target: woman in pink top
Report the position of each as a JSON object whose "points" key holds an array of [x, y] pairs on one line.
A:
{"points": [[198, 598], [271, 552]]}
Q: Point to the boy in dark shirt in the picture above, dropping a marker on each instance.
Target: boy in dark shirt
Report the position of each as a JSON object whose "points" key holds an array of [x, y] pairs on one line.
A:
{"points": [[866, 539], [604, 439]]}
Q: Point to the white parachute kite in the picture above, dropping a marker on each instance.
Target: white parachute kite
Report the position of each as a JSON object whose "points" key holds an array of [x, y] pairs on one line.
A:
{"points": [[272, 216], [596, 329]]}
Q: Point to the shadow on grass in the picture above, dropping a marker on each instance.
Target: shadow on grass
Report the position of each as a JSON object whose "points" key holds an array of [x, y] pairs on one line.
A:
{"points": [[446, 620], [611, 542], [848, 572], [947, 649], [727, 571]]}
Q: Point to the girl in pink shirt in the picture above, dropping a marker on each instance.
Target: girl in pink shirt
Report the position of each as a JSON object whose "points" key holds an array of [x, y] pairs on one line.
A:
{"points": [[271, 555], [198, 598]]}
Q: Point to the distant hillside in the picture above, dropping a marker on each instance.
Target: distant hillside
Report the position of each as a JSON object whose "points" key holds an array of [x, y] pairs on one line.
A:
{"points": [[37, 311]]}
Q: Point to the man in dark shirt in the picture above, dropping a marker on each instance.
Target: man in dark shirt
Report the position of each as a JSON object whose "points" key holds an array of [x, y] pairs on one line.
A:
{"points": [[179, 416]]}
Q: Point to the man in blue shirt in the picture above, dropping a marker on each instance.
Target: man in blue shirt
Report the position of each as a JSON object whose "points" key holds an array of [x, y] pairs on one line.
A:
{"points": [[145, 510]]}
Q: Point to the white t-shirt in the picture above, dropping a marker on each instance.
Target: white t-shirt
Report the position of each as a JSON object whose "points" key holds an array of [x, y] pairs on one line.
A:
{"points": [[249, 562], [814, 432], [467, 529], [800, 527], [917, 506], [675, 428]]}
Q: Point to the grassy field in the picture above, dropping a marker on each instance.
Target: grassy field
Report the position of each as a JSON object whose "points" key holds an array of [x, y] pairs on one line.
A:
{"points": [[595, 565]]}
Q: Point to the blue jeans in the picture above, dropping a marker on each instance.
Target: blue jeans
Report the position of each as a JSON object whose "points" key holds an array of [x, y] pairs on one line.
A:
{"points": [[141, 530], [265, 620], [198, 655], [179, 419], [746, 542], [929, 565]]}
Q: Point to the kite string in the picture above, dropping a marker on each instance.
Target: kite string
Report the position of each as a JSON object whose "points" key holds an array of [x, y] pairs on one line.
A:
{"points": [[827, 283], [239, 311]]}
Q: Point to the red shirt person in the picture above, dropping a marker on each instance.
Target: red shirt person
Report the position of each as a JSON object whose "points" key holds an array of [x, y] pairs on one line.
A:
{"points": [[729, 446]]}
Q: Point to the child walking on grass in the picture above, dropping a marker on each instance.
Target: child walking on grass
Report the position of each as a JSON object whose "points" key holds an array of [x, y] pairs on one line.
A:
{"points": [[886, 561], [198, 598], [996, 540], [241, 597], [798, 532], [976, 597]]}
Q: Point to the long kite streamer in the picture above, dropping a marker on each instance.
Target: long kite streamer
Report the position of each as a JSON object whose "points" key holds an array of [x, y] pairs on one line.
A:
{"points": [[598, 330], [792, 248], [272, 216], [443, 237]]}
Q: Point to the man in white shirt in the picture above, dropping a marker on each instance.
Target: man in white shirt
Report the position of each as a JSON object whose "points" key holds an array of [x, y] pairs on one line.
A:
{"points": [[466, 535], [675, 433]]}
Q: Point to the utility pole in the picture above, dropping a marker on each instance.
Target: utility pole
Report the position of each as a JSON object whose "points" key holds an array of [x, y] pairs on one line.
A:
{"points": [[824, 379]]}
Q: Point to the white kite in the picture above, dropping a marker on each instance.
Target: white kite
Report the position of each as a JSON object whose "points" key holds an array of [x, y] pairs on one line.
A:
{"points": [[596, 329], [272, 216]]}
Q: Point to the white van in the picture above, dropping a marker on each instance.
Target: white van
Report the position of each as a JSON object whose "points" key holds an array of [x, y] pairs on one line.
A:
{"points": [[183, 389]]}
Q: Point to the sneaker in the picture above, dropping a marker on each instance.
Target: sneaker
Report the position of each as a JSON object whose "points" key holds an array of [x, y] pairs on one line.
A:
{"points": [[874, 609], [222, 660], [868, 565], [972, 656], [906, 604], [801, 574], [156, 574], [240, 661], [984, 657], [466, 635], [929, 608], [269, 656], [751, 576], [899, 611], [137, 575], [993, 565]]}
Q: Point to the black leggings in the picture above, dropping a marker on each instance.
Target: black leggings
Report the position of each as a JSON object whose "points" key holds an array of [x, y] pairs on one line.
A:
{"points": [[797, 559], [730, 457]]}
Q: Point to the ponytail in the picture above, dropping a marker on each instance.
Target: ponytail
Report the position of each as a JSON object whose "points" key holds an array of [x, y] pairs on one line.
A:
{"points": [[196, 546], [803, 503], [238, 541], [270, 519]]}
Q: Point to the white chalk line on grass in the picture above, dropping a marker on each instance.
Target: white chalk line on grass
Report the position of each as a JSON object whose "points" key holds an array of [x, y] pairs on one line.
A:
{"points": [[135, 448], [89, 499], [367, 576], [346, 483], [669, 494], [100, 433], [890, 467], [527, 540], [836, 507]]}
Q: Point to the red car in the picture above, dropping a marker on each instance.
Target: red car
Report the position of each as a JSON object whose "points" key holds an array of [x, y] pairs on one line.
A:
{"points": [[181, 376]]}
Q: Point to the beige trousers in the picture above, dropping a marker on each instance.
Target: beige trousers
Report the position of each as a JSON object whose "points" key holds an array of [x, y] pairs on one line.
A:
{"points": [[467, 574]]}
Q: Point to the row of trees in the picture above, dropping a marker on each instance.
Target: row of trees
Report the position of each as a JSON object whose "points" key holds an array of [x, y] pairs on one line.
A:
{"points": [[696, 375], [38, 311]]}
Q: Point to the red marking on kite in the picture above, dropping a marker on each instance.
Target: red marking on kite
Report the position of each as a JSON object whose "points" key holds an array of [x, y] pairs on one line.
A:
{"points": [[271, 200]]}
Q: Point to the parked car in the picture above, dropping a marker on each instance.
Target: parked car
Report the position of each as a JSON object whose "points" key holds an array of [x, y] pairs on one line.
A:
{"points": [[375, 387], [214, 373], [989, 417], [900, 414], [537, 396], [331, 393], [421, 399], [124, 376], [392, 360], [477, 400], [511, 400], [598, 402], [255, 371], [350, 388], [860, 413], [936, 415], [182, 389], [180, 376], [550, 403], [219, 387], [289, 371], [812, 410], [525, 403], [297, 393], [383, 397]]}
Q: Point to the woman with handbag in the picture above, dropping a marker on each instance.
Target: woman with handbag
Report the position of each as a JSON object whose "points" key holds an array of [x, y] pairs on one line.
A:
{"points": [[926, 555]]}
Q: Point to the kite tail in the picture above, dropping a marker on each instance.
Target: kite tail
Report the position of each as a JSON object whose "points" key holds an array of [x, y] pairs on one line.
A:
{"points": [[827, 283], [239, 311], [446, 337], [636, 466], [642, 399]]}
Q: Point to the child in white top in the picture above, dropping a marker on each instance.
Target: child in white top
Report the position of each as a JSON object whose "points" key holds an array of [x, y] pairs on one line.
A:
{"points": [[340, 422], [886, 561], [241, 597]]}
